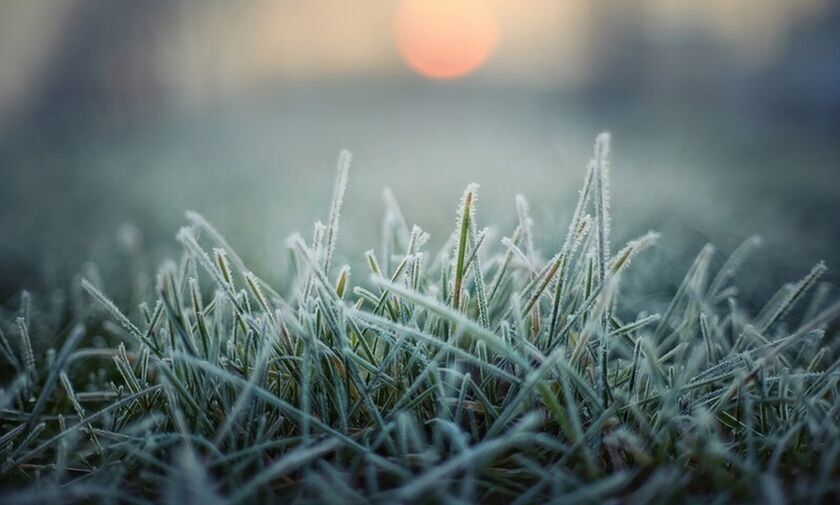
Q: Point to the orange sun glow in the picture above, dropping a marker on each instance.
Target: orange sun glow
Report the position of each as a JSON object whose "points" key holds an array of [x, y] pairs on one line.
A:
{"points": [[443, 39]]}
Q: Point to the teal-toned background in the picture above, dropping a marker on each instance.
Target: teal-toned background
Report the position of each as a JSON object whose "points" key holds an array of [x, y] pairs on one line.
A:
{"points": [[725, 118]]}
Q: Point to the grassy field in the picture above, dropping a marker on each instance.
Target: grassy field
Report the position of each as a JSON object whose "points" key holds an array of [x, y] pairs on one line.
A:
{"points": [[261, 170], [485, 371]]}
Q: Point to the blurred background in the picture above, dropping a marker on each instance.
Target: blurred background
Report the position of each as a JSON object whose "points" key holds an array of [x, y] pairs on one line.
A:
{"points": [[116, 117]]}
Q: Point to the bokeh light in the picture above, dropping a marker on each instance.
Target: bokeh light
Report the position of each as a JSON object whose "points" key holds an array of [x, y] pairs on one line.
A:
{"points": [[444, 39]]}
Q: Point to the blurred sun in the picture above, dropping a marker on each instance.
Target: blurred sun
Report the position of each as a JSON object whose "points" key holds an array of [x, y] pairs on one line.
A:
{"points": [[443, 39]]}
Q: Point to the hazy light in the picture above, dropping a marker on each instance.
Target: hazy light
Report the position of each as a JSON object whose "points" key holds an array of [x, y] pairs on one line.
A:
{"points": [[445, 38]]}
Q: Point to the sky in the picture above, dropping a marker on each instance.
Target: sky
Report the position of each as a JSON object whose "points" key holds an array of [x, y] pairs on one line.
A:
{"points": [[195, 52]]}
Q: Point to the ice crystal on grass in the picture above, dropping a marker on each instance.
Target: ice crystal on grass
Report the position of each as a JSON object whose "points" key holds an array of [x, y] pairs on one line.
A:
{"points": [[481, 372]]}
